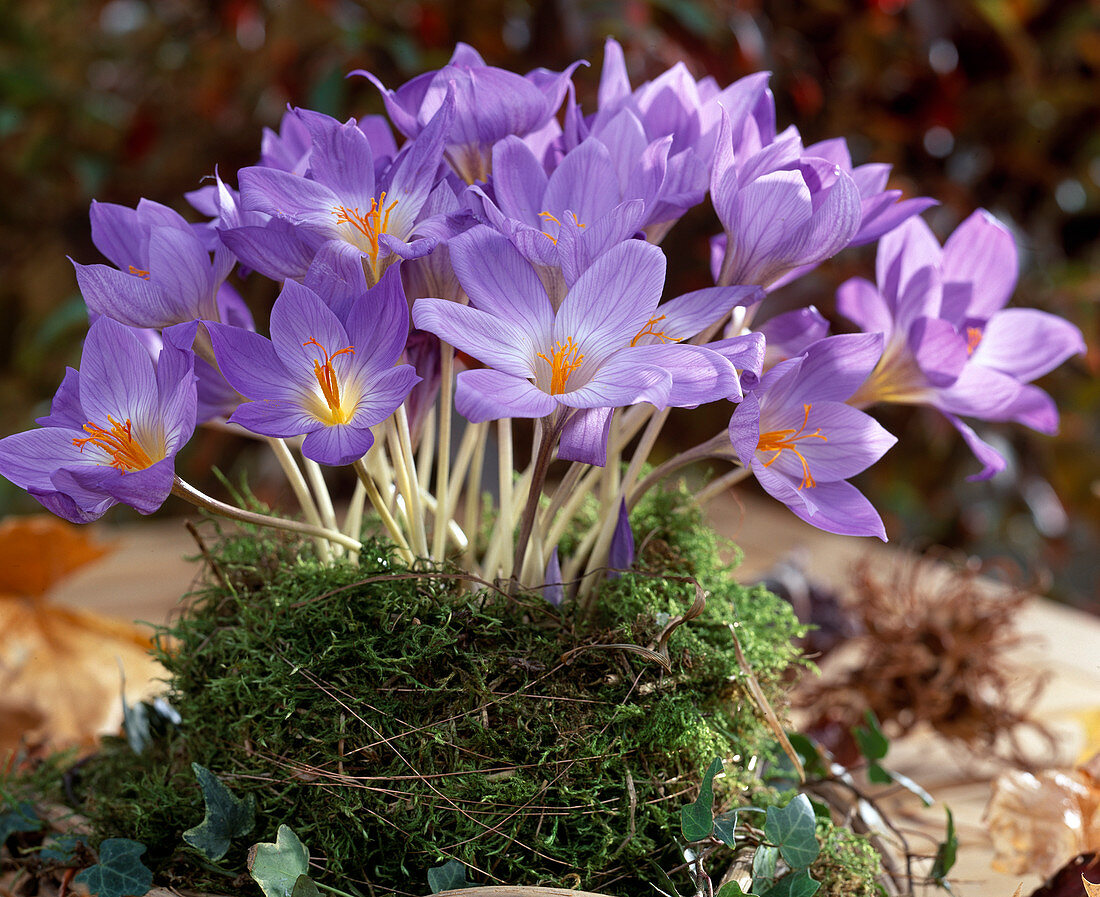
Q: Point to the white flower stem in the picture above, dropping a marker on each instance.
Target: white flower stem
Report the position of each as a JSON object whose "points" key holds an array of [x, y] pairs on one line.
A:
{"points": [[443, 455], [189, 493], [719, 485], [383, 512], [506, 521], [301, 492], [316, 479], [472, 511], [412, 497], [353, 522], [425, 451]]}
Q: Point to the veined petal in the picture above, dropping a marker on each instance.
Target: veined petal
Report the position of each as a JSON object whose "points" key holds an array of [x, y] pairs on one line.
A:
{"points": [[861, 303], [338, 444], [901, 253], [493, 341], [249, 363], [621, 382], [490, 395], [584, 183], [584, 436], [693, 312], [143, 490], [181, 266], [341, 158], [295, 199], [116, 376], [117, 233], [837, 507], [274, 417], [278, 249], [65, 410], [992, 460], [128, 299], [939, 350], [1027, 343], [1034, 408], [298, 317], [979, 392], [383, 393], [378, 324], [698, 374], [981, 252], [519, 180]]}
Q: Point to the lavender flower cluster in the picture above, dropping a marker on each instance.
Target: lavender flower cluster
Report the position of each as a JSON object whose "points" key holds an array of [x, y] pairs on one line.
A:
{"points": [[523, 249]]}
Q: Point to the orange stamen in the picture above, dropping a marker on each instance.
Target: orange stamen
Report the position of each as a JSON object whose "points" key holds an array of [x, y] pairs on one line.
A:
{"points": [[371, 225], [779, 441], [649, 331], [126, 453], [566, 359], [549, 217], [137, 272], [326, 379], [973, 337]]}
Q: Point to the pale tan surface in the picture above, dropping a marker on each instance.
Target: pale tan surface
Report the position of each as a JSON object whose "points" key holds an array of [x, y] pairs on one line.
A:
{"points": [[145, 578]]}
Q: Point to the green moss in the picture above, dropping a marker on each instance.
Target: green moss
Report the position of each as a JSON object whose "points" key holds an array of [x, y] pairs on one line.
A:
{"points": [[847, 866], [394, 720]]}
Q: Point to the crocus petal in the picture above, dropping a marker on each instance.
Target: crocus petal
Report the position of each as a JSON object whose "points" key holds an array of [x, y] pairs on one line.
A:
{"points": [[614, 81], [584, 183], [833, 368], [1033, 408], [903, 251], [837, 507], [993, 462], [378, 324], [939, 350], [295, 199], [981, 252], [621, 382], [508, 347], [1027, 343], [851, 442], [128, 299], [553, 590], [116, 376], [277, 249], [272, 417], [383, 394], [490, 395], [978, 392], [337, 277], [29, 459], [500, 281], [143, 490], [698, 374], [65, 410], [298, 317], [250, 364], [338, 444], [693, 312], [117, 233], [861, 303], [584, 436], [519, 181], [341, 158]]}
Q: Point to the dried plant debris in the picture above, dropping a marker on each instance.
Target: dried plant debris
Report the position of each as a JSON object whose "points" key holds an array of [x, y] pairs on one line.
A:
{"points": [[1039, 822], [937, 637]]}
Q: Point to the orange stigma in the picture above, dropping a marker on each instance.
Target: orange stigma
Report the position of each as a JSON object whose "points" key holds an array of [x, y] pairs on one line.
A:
{"points": [[126, 453], [566, 359], [973, 337], [330, 386], [549, 217], [779, 441], [649, 331], [371, 225], [137, 272]]}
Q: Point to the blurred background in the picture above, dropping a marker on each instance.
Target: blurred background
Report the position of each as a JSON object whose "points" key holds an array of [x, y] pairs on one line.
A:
{"points": [[992, 103]]}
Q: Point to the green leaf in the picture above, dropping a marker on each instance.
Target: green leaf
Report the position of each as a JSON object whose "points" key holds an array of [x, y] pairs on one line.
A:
{"points": [[792, 830], [732, 889], [449, 877], [666, 887], [697, 818], [764, 863], [20, 818], [61, 849], [797, 884], [945, 853], [119, 872], [304, 887], [227, 816], [812, 762], [277, 867], [872, 743], [879, 774], [725, 827]]}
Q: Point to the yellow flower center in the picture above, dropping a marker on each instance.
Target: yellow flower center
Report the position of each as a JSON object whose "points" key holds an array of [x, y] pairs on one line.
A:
{"points": [[330, 385], [779, 441], [564, 360], [125, 451], [138, 272]]}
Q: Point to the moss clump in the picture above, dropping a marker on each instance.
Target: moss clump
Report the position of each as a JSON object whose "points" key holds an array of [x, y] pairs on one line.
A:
{"points": [[848, 864], [394, 719]]}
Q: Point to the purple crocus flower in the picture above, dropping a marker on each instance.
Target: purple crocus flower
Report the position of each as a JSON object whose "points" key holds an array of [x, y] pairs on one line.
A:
{"points": [[577, 363], [164, 272], [803, 441], [678, 106], [343, 206], [780, 208], [553, 590], [328, 379], [491, 104], [114, 427], [949, 341]]}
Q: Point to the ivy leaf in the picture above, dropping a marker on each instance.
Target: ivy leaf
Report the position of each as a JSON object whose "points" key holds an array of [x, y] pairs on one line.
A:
{"points": [[62, 850], [697, 818], [792, 830], [449, 877], [277, 867], [666, 888], [732, 889], [797, 884], [945, 853], [227, 816], [304, 886], [873, 744], [20, 818], [119, 872], [764, 863], [810, 755]]}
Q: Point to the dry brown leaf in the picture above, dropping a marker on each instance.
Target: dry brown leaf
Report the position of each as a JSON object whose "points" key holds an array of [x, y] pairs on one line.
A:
{"points": [[1091, 890], [1038, 823], [60, 667]]}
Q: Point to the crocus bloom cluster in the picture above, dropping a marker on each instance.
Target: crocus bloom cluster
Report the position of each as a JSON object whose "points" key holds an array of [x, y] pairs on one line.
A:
{"points": [[521, 240]]}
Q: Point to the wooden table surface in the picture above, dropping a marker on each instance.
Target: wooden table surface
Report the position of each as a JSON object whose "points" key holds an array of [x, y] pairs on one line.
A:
{"points": [[144, 578]]}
